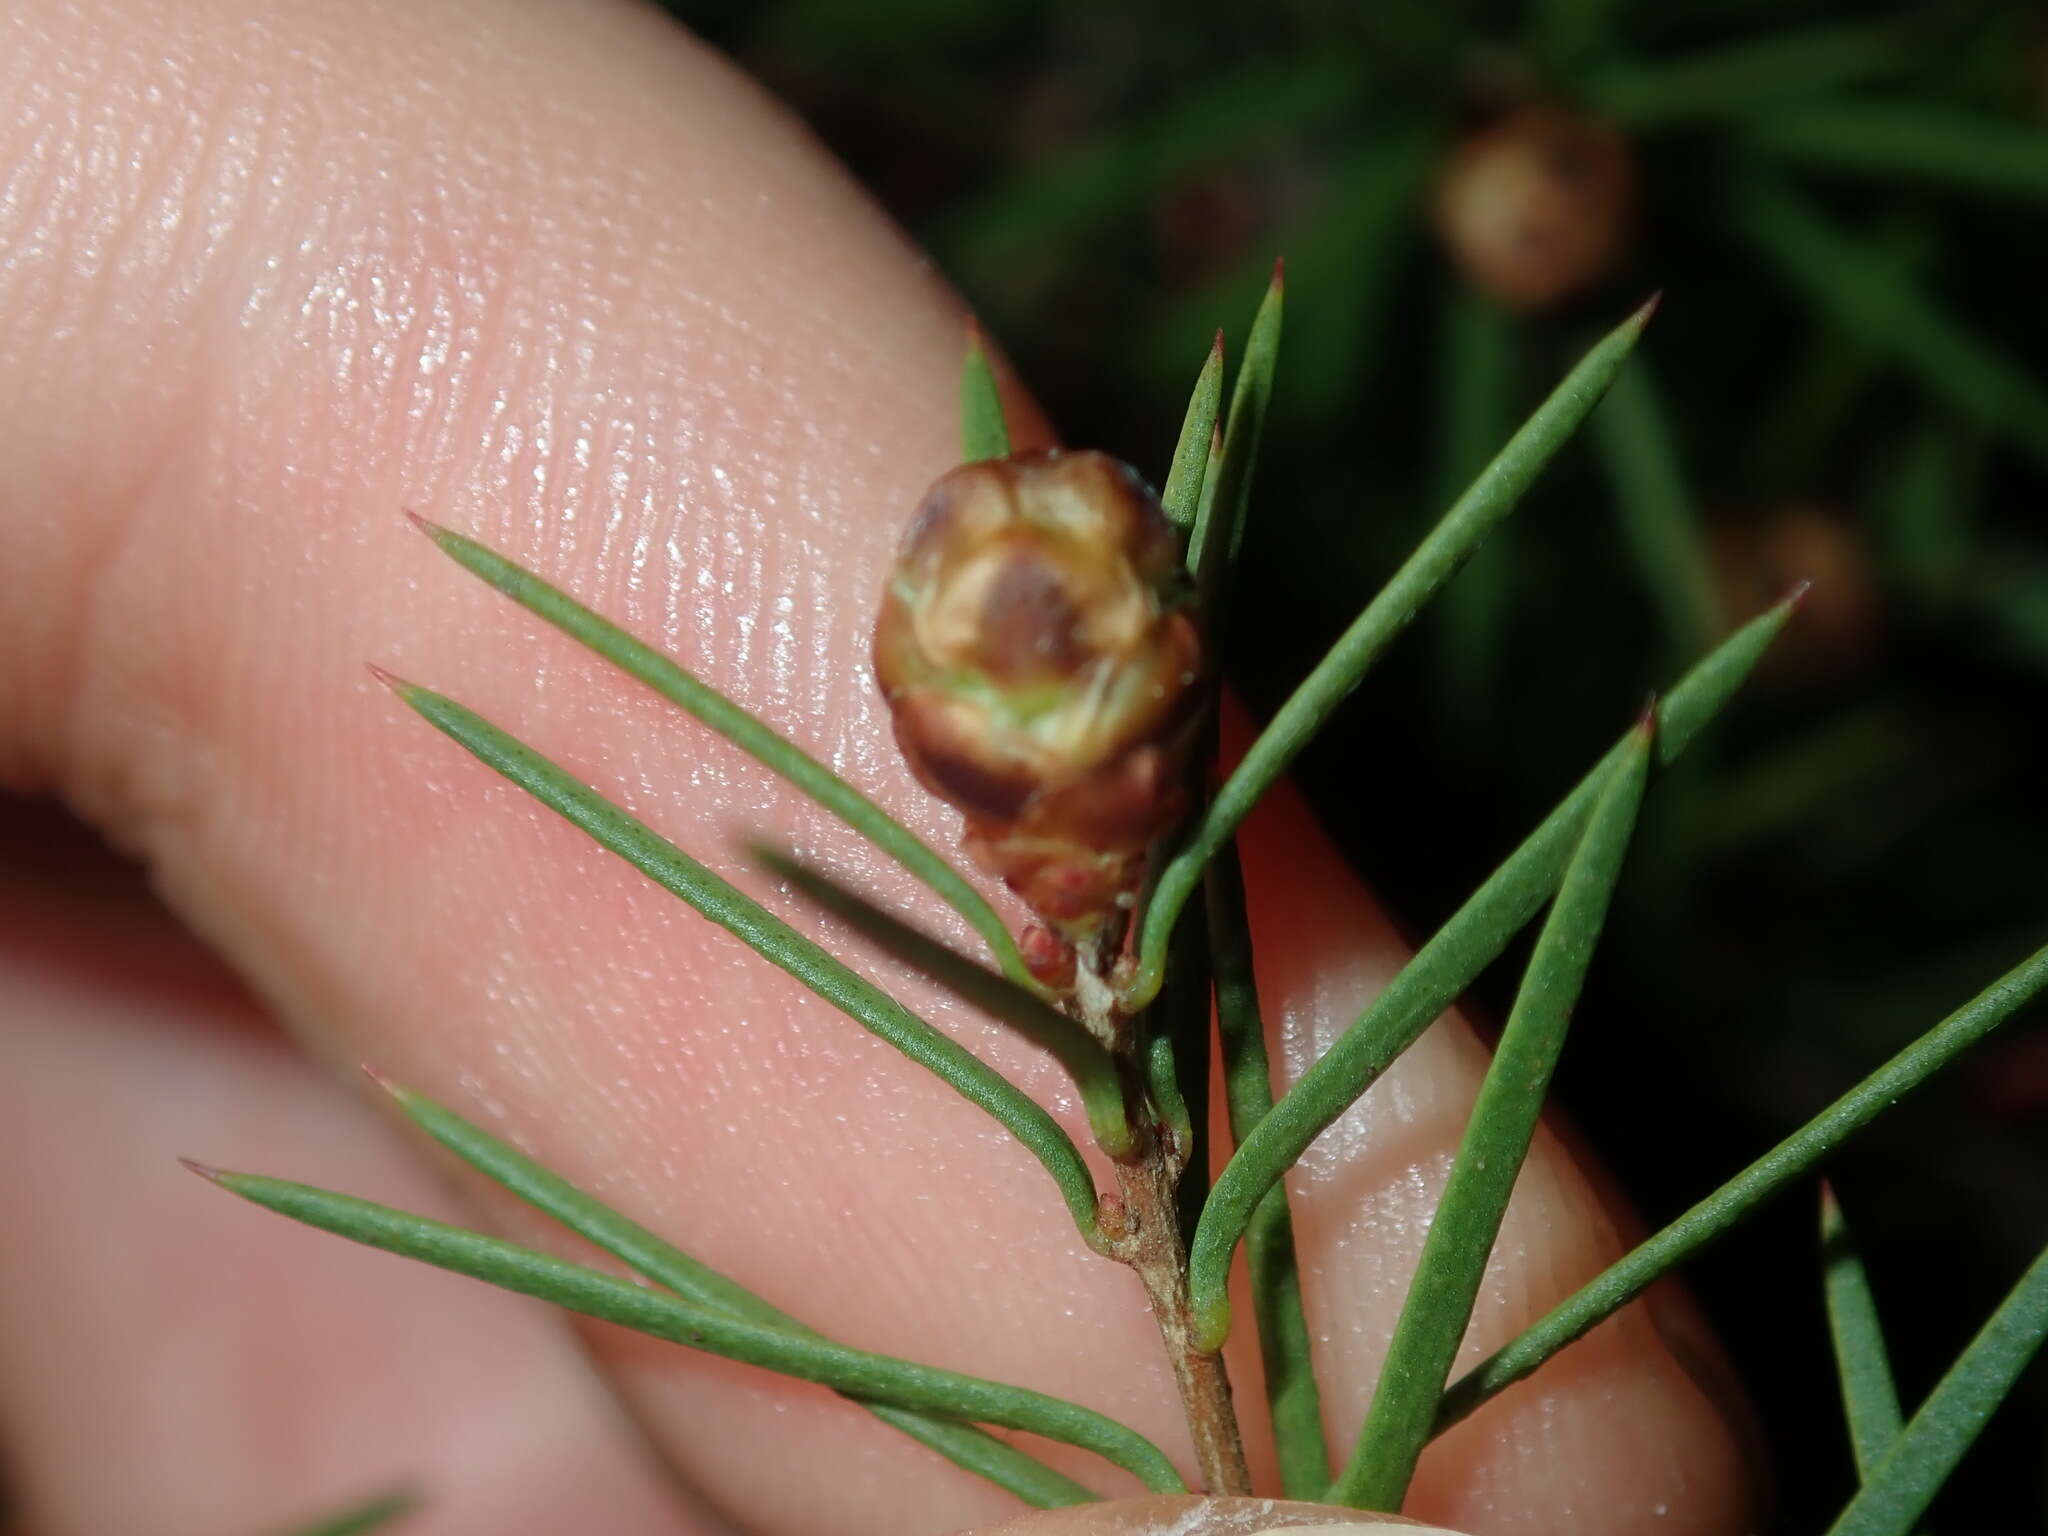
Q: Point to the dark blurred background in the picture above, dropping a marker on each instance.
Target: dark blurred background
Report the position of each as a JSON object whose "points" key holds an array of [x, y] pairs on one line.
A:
{"points": [[1847, 209]]}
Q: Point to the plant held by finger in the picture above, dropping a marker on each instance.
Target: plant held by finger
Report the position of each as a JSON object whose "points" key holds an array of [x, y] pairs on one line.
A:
{"points": [[1048, 645]]}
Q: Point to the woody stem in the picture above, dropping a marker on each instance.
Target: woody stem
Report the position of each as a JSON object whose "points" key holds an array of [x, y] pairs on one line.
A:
{"points": [[1149, 1240]]}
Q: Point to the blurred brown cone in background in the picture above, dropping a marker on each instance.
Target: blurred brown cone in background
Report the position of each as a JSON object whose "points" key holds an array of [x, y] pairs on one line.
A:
{"points": [[1038, 653], [1538, 205], [1758, 558]]}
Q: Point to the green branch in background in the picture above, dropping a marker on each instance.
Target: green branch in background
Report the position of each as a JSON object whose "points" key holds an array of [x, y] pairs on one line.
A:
{"points": [[1902, 1485], [1490, 1155], [857, 1373], [1629, 1276], [1465, 945], [1894, 140], [1869, 1397], [666, 1265], [1285, 1348], [1632, 437], [1492, 497], [1873, 297], [983, 432], [1744, 77], [770, 938], [767, 747]]}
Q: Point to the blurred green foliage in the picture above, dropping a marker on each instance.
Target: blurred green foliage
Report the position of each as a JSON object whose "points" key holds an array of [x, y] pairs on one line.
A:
{"points": [[1847, 207]]}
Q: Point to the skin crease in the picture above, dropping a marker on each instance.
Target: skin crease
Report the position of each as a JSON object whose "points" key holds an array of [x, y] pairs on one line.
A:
{"points": [[557, 277]]}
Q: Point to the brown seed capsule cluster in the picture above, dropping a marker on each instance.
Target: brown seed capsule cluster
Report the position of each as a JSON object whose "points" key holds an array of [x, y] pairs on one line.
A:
{"points": [[1044, 671], [1538, 205]]}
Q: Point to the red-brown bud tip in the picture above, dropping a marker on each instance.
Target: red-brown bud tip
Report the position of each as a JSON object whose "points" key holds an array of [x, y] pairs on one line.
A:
{"points": [[1048, 957]]}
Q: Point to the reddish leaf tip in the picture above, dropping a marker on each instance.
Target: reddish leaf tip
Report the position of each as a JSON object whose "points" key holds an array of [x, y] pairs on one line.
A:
{"points": [[1279, 272], [427, 525], [1798, 594], [1648, 309], [389, 679], [206, 1171]]}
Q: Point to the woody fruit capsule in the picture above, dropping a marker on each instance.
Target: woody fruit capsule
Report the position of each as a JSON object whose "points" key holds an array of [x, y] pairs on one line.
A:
{"points": [[1041, 660]]}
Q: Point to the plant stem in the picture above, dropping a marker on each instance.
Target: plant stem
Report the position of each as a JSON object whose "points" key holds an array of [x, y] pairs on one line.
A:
{"points": [[1152, 1245], [1143, 1230]]}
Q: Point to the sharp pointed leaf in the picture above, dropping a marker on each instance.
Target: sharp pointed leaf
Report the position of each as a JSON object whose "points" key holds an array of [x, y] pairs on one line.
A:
{"points": [[983, 433], [1869, 1397], [1791, 1160], [769, 937], [1490, 1155], [1286, 1352], [767, 747], [1904, 1483], [1182, 498], [856, 1373], [665, 1264], [1491, 497], [1087, 1061], [1470, 941]]}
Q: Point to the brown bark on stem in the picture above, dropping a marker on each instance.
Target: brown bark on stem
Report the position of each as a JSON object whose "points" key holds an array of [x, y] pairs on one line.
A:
{"points": [[1154, 1249], [1144, 1232]]}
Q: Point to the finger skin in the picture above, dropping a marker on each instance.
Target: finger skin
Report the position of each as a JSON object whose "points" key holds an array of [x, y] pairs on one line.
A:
{"points": [[177, 1363], [556, 277]]}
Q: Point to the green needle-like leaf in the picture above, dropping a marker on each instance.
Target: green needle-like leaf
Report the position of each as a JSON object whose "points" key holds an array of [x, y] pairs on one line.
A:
{"points": [[983, 434], [1490, 1155], [1632, 436], [769, 748], [665, 1264], [1900, 140], [1219, 522], [771, 938], [1871, 295], [1182, 498], [1178, 1045], [1491, 497], [857, 1373], [1087, 1061], [1470, 941], [1629, 1276], [1869, 1396], [1904, 1483], [372, 1516], [1285, 1349], [1748, 76]]}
